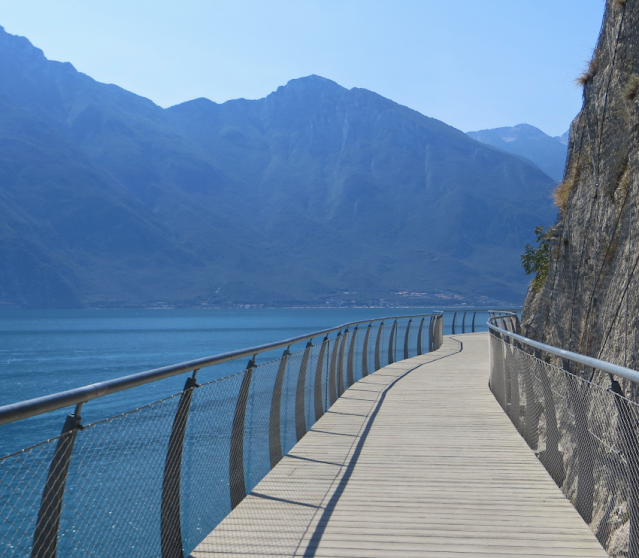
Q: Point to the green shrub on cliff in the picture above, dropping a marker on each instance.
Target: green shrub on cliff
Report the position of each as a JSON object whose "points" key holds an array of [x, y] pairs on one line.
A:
{"points": [[536, 259]]}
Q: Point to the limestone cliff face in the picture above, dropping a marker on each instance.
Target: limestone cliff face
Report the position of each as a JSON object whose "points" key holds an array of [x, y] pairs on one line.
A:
{"points": [[590, 301]]}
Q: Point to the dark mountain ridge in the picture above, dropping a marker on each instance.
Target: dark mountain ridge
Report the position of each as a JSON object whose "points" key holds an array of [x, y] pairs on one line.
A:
{"points": [[315, 194]]}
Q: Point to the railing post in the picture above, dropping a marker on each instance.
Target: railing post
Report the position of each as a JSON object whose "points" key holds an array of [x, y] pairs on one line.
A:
{"points": [[474, 315], [319, 369], [332, 373], [45, 538], [300, 407], [236, 455], [170, 524], [378, 360], [517, 324], [274, 430], [631, 451], [340, 365], [464, 323], [583, 449], [391, 344], [454, 320], [419, 337], [497, 381], [552, 458], [431, 334], [365, 351], [513, 372], [406, 339], [534, 407], [350, 369], [439, 332]]}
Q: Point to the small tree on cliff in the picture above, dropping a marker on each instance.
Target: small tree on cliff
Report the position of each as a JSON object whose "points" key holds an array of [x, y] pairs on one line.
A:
{"points": [[537, 259]]}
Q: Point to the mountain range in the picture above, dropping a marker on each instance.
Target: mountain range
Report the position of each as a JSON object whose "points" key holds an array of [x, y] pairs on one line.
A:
{"points": [[314, 195]]}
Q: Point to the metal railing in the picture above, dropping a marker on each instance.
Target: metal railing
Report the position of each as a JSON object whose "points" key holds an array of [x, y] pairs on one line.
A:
{"points": [[156, 480], [580, 417]]}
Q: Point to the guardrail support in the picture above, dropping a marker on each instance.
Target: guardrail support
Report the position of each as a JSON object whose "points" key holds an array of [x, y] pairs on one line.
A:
{"points": [[170, 525], [274, 430], [45, 538], [419, 337], [406, 339], [585, 456], [552, 458], [454, 321], [300, 406], [464, 323], [332, 373], [631, 451], [378, 360], [365, 351], [517, 323], [236, 454], [350, 369], [391, 344], [431, 334], [319, 369], [340, 365], [473, 326]]}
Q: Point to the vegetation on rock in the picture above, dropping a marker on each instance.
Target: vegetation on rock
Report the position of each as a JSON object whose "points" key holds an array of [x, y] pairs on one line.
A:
{"points": [[537, 259]]}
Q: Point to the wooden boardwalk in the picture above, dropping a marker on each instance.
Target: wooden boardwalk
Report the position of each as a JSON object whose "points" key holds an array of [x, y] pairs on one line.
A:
{"points": [[416, 460]]}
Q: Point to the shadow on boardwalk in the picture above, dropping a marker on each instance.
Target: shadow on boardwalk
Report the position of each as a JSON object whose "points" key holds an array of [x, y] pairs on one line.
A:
{"points": [[417, 459]]}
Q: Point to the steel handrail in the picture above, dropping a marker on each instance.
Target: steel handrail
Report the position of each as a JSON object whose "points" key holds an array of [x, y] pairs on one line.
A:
{"points": [[47, 403], [615, 369]]}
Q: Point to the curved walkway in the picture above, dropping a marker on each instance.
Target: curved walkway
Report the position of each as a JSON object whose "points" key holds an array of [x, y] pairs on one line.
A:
{"points": [[416, 460]]}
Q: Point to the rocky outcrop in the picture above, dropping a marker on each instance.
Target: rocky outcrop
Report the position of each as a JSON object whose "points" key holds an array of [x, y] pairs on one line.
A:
{"points": [[590, 301]]}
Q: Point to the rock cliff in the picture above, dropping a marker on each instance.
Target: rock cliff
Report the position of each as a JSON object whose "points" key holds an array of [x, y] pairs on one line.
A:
{"points": [[590, 301]]}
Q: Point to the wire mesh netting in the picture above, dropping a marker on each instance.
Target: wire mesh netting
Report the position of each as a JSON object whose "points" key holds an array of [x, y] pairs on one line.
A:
{"points": [[157, 480], [205, 489], [121, 460], [583, 430], [22, 480]]}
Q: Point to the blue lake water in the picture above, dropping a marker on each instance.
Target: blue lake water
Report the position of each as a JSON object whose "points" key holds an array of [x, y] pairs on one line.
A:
{"points": [[46, 351]]}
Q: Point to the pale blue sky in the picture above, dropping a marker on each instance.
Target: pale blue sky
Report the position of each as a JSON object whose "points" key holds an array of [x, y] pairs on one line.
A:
{"points": [[472, 63]]}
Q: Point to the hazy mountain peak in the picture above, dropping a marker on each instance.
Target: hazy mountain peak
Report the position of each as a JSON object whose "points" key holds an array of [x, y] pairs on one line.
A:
{"points": [[563, 138], [548, 153], [512, 133], [200, 103], [19, 48], [313, 80], [313, 85]]}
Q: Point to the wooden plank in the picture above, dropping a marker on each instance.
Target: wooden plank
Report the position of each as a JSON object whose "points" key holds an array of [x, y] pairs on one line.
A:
{"points": [[441, 472]]}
